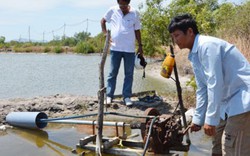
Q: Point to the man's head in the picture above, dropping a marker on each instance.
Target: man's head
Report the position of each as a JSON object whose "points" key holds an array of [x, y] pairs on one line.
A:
{"points": [[124, 5], [128, 1], [183, 30]]}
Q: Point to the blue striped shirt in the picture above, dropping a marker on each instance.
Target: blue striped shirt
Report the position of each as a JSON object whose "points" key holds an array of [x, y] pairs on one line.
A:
{"points": [[223, 80]]}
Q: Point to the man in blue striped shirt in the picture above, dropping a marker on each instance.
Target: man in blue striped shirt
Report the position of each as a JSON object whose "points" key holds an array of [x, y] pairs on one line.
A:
{"points": [[223, 85]]}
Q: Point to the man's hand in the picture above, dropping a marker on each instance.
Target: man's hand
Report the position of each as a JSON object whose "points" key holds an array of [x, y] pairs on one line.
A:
{"points": [[195, 128], [140, 51], [209, 130]]}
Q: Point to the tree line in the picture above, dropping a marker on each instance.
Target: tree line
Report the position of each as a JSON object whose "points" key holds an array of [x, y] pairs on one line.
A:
{"points": [[225, 20]]}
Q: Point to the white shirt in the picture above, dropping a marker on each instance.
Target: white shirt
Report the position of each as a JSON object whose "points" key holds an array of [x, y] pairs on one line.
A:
{"points": [[223, 80], [123, 28]]}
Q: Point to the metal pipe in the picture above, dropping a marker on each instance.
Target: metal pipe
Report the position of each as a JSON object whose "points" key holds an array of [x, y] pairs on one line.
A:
{"points": [[86, 122]]}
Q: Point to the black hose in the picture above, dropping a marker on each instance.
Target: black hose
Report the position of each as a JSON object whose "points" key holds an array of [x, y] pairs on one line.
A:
{"points": [[149, 134]]}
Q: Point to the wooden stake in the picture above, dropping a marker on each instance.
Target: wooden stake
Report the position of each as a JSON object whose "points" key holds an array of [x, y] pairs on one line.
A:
{"points": [[101, 92]]}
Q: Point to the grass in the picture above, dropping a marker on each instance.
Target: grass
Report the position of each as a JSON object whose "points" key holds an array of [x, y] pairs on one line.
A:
{"points": [[42, 49], [243, 44]]}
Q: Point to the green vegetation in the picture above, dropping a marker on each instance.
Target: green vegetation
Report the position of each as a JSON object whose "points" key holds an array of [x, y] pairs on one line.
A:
{"points": [[225, 20], [2, 39], [84, 48], [192, 83], [80, 43]]}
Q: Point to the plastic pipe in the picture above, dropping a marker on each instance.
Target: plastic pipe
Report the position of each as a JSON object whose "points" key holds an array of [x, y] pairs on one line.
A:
{"points": [[27, 119]]}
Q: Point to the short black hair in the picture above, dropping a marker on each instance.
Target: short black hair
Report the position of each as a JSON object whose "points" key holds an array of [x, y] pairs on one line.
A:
{"points": [[183, 22], [128, 1]]}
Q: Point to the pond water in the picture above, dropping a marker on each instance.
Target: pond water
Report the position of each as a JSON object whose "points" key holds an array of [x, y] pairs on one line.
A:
{"points": [[60, 140], [28, 75]]}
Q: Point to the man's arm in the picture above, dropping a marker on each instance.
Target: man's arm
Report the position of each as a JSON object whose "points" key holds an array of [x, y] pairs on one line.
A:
{"points": [[103, 25], [201, 101], [138, 38], [201, 104], [211, 62]]}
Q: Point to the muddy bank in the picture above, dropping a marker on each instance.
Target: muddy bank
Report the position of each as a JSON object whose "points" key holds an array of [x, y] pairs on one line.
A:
{"points": [[67, 105]]}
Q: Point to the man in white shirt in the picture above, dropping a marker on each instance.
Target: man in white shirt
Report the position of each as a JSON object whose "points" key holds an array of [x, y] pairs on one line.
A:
{"points": [[125, 28], [223, 85]]}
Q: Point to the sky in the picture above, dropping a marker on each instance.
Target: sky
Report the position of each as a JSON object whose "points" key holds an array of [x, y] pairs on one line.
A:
{"points": [[43, 20]]}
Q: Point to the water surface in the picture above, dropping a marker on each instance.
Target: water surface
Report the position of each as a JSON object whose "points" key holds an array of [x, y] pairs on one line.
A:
{"points": [[29, 74], [60, 140]]}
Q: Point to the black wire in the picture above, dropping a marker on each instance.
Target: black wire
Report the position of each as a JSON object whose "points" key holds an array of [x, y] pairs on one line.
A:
{"points": [[176, 107], [173, 79]]}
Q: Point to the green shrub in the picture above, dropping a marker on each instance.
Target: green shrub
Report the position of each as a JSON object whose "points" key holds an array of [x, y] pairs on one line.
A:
{"points": [[28, 44], [97, 42], [18, 49], [46, 49], [28, 50], [84, 48], [1, 45], [58, 49]]}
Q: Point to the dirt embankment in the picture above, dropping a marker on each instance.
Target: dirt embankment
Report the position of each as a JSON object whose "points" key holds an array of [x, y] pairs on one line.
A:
{"points": [[71, 105]]}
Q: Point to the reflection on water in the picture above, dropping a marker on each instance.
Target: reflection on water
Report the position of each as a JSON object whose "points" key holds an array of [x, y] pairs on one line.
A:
{"points": [[54, 141], [50, 141], [37, 142]]}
